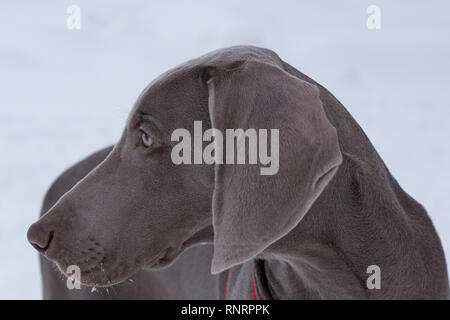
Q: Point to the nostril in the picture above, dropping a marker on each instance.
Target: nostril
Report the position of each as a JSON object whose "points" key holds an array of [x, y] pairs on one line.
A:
{"points": [[40, 246], [39, 238]]}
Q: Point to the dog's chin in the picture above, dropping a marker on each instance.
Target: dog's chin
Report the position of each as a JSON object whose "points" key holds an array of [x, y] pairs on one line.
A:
{"points": [[98, 278], [95, 277], [100, 274], [108, 275]]}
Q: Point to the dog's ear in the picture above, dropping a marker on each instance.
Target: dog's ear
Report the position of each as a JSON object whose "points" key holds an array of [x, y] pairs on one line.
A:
{"points": [[252, 210]]}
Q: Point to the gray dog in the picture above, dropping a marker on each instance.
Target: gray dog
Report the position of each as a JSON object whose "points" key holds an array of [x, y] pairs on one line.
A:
{"points": [[332, 223]]}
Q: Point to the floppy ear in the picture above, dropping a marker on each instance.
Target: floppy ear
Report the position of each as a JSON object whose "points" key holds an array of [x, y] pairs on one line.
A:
{"points": [[252, 210]]}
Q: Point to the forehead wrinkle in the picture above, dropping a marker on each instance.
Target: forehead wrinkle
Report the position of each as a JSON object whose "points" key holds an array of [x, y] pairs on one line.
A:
{"points": [[140, 101]]}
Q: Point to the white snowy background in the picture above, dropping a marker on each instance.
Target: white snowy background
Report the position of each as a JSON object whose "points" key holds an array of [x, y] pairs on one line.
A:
{"points": [[66, 93]]}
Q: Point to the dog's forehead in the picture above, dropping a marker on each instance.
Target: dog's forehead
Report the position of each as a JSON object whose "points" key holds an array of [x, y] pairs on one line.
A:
{"points": [[221, 58], [218, 58]]}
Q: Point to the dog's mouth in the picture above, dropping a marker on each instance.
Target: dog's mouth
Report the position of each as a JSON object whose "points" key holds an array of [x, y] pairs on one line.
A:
{"points": [[105, 272], [164, 258]]}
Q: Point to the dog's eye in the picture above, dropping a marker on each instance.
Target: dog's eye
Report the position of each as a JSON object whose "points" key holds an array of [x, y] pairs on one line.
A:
{"points": [[147, 141]]}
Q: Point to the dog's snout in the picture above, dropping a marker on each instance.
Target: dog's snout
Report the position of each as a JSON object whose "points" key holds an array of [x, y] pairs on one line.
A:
{"points": [[40, 237]]}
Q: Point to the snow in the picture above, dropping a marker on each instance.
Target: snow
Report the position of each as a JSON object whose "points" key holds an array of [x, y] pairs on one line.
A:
{"points": [[66, 93]]}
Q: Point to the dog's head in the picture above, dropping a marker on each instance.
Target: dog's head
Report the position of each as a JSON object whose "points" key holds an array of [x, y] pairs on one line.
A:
{"points": [[138, 209]]}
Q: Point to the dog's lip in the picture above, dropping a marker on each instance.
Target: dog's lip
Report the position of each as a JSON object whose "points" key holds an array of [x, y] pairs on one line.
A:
{"points": [[163, 257], [158, 258]]}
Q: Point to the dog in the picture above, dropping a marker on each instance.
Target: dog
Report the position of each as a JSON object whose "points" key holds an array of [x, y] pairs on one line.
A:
{"points": [[313, 230]]}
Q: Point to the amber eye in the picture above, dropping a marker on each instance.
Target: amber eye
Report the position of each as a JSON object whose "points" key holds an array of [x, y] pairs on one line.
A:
{"points": [[147, 141]]}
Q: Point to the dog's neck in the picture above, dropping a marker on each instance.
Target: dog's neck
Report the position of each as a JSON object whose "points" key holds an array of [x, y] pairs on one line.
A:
{"points": [[335, 237], [349, 228]]}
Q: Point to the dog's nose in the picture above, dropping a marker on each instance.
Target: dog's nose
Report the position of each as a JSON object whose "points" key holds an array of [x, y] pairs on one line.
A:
{"points": [[40, 237]]}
